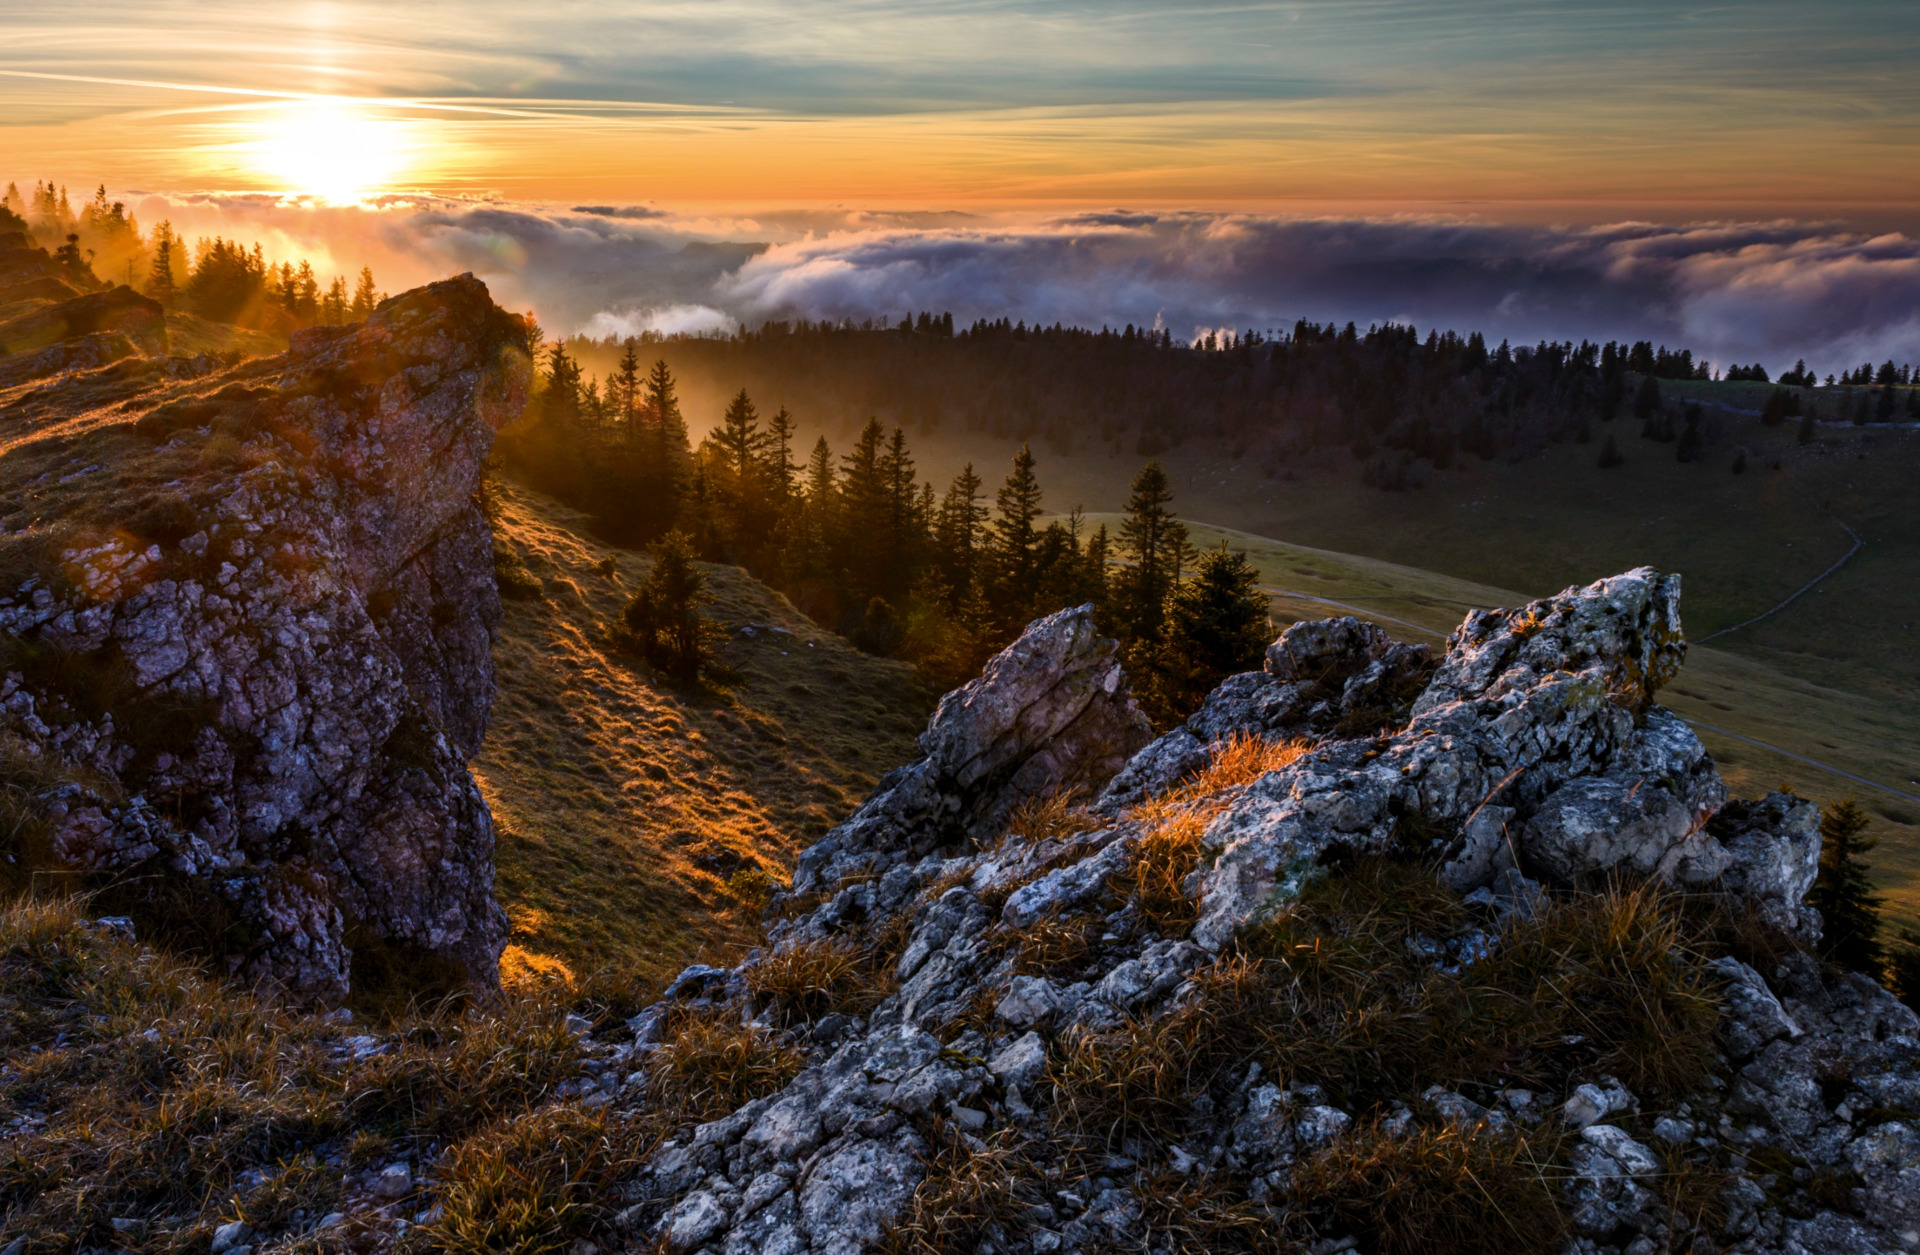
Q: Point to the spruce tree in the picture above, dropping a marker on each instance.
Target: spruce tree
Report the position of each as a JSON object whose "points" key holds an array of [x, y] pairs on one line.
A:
{"points": [[1014, 540], [161, 285], [1843, 894], [1217, 626], [667, 425], [365, 296], [1153, 544], [626, 395], [957, 531], [664, 615]]}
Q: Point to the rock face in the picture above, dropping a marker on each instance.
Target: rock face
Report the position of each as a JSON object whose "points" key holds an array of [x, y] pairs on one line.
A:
{"points": [[1531, 761], [255, 688]]}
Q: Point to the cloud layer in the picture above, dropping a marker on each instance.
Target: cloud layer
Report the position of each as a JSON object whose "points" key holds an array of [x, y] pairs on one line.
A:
{"points": [[1770, 292]]}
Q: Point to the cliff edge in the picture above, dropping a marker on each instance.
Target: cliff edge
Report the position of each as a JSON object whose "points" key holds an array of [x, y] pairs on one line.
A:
{"points": [[247, 612]]}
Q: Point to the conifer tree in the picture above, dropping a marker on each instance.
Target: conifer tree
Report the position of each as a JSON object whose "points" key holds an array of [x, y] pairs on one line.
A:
{"points": [[664, 615], [668, 425], [365, 297], [333, 309], [1217, 626], [626, 395], [778, 458], [1014, 540], [1153, 543], [1843, 894], [161, 284], [961, 516], [560, 403]]}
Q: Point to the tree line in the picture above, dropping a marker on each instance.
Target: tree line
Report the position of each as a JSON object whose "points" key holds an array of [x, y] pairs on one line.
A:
{"points": [[218, 279], [864, 546], [1401, 404]]}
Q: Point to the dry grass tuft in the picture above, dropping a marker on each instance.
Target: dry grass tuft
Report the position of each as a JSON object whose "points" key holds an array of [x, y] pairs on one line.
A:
{"points": [[1051, 817], [1239, 760], [145, 1090], [1056, 943], [532, 1185], [1139, 1081], [710, 1066], [1432, 1192], [1163, 858], [975, 1195], [1332, 993], [809, 978]]}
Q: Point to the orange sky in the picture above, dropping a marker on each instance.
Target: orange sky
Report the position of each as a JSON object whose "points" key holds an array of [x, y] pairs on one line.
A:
{"points": [[1566, 112]]}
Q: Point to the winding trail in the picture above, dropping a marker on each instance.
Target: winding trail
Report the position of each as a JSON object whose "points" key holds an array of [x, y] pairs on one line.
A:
{"points": [[1811, 762], [1798, 593]]}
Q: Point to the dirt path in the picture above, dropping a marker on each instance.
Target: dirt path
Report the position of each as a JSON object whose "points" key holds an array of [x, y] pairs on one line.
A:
{"points": [[1798, 593]]}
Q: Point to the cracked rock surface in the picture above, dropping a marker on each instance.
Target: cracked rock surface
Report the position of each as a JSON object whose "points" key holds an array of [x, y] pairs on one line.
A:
{"points": [[1529, 764], [258, 688]]}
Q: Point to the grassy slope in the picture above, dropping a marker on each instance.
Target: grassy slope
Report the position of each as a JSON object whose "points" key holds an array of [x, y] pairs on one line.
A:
{"points": [[622, 804]]}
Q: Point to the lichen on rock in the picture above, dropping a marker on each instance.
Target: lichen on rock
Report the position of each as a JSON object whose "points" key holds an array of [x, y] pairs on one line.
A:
{"points": [[1029, 959]]}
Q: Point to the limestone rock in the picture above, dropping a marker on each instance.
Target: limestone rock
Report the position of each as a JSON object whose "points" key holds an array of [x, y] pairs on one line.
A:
{"points": [[298, 644], [1532, 752]]}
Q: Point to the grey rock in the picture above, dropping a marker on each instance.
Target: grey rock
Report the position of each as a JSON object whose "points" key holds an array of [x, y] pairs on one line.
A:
{"points": [[694, 1220], [1754, 1017], [311, 668], [1021, 1062], [1029, 1000], [1326, 651], [227, 1236]]}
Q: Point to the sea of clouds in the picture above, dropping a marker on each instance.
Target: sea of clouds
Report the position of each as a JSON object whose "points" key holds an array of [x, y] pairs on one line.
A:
{"points": [[1732, 291]]}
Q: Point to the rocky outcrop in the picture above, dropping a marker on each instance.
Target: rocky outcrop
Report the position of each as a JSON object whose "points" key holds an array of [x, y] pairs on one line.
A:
{"points": [[254, 685], [1526, 769]]}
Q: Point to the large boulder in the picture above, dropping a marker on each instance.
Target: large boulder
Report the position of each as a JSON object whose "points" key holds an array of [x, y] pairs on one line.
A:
{"points": [[1050, 714], [1535, 752], [256, 695]]}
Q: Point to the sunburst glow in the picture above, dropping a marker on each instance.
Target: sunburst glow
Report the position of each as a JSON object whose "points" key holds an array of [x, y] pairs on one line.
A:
{"points": [[334, 150]]}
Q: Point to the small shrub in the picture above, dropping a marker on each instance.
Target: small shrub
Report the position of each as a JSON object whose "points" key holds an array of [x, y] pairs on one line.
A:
{"points": [[753, 886], [664, 617]]}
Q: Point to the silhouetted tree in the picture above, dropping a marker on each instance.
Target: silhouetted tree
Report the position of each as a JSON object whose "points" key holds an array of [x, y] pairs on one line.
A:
{"points": [[664, 615], [1843, 894], [1216, 626]]}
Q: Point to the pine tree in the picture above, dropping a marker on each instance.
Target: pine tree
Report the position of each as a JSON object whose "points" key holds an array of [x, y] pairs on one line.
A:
{"points": [[962, 515], [333, 310], [1153, 542], [365, 297], [161, 285], [1217, 626], [1014, 539], [664, 615], [667, 425], [560, 403], [1843, 894], [780, 470], [624, 391]]}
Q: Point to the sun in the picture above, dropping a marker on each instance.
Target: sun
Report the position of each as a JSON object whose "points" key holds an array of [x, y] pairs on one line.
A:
{"points": [[334, 150]]}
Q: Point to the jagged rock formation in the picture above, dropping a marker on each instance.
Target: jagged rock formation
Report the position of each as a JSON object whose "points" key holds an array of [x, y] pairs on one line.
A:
{"points": [[248, 614], [1526, 768]]}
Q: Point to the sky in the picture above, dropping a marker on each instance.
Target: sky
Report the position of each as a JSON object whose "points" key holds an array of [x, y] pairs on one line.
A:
{"points": [[1499, 163]]}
